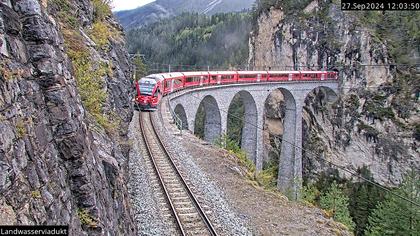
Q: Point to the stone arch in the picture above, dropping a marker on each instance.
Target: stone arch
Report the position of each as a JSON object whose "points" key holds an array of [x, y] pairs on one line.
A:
{"points": [[249, 128], [212, 118], [180, 112], [286, 168]]}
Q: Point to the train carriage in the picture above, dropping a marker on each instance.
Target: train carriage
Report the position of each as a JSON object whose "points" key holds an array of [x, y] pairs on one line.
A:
{"points": [[252, 76], [152, 87]]}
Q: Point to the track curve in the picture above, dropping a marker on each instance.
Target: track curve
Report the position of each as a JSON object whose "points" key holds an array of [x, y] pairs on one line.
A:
{"points": [[188, 215]]}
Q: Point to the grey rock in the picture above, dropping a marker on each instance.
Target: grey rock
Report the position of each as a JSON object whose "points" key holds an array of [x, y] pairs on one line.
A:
{"points": [[331, 131], [32, 175], [39, 52], [5, 176], [47, 198], [57, 154], [28, 7], [12, 26]]}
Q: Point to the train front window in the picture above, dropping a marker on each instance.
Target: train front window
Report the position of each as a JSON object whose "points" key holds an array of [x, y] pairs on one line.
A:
{"points": [[146, 86]]}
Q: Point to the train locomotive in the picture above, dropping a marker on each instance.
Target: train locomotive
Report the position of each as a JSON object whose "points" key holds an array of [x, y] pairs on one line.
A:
{"points": [[151, 88]]}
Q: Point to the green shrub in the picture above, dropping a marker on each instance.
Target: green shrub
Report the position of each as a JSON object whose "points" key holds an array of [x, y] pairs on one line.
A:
{"points": [[267, 178], [20, 129], [36, 194], [336, 202], [65, 13], [89, 81], [100, 34], [101, 9], [310, 194], [235, 150], [5, 73], [86, 219]]}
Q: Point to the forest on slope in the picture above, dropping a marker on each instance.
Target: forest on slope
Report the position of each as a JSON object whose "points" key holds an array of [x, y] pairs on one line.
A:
{"points": [[192, 41], [161, 9]]}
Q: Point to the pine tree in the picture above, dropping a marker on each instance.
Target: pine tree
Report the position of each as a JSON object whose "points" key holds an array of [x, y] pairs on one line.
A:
{"points": [[396, 216], [337, 202], [363, 200], [141, 69]]}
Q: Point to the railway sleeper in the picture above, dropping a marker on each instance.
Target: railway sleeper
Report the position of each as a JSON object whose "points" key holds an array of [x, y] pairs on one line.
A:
{"points": [[191, 220], [178, 194], [175, 189], [199, 231], [183, 204]]}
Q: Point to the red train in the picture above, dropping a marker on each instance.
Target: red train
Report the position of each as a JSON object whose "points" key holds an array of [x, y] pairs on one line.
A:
{"points": [[152, 87]]}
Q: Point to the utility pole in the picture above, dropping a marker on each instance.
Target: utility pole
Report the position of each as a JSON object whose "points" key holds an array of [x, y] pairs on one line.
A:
{"points": [[169, 68]]}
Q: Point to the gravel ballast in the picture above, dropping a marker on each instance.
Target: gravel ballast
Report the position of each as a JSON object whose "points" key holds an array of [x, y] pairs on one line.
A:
{"points": [[143, 197]]}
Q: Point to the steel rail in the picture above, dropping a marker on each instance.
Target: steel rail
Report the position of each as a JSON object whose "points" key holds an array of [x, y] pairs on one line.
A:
{"points": [[200, 210], [149, 150]]}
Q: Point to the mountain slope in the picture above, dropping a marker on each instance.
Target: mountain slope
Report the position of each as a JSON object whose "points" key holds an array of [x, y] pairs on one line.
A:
{"points": [[160, 9]]}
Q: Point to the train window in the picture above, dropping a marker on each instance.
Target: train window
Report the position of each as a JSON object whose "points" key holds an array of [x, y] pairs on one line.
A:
{"points": [[247, 76], [146, 86], [279, 76], [167, 83], [227, 77], [312, 75], [177, 81], [214, 77], [192, 79]]}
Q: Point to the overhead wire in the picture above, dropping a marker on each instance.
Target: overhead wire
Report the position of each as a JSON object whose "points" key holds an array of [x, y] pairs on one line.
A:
{"points": [[271, 67]]}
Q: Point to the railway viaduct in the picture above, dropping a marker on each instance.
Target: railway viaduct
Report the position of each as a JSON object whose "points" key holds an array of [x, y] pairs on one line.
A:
{"points": [[216, 101]]}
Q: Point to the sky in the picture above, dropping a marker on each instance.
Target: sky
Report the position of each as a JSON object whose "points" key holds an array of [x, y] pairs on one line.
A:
{"points": [[119, 5]]}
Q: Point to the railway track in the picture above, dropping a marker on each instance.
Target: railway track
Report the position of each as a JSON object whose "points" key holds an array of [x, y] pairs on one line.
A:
{"points": [[181, 208]]}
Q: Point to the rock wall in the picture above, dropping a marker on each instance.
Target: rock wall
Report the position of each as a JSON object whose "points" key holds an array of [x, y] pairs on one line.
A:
{"points": [[375, 121], [57, 164]]}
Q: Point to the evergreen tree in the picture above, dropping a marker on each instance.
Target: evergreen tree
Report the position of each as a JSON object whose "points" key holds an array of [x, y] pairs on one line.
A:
{"points": [[141, 69], [235, 120], [200, 119], [195, 41], [337, 202], [396, 216], [363, 200]]}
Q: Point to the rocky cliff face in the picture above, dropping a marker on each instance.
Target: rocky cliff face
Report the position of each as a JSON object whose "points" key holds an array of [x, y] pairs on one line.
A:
{"points": [[375, 121], [58, 165]]}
